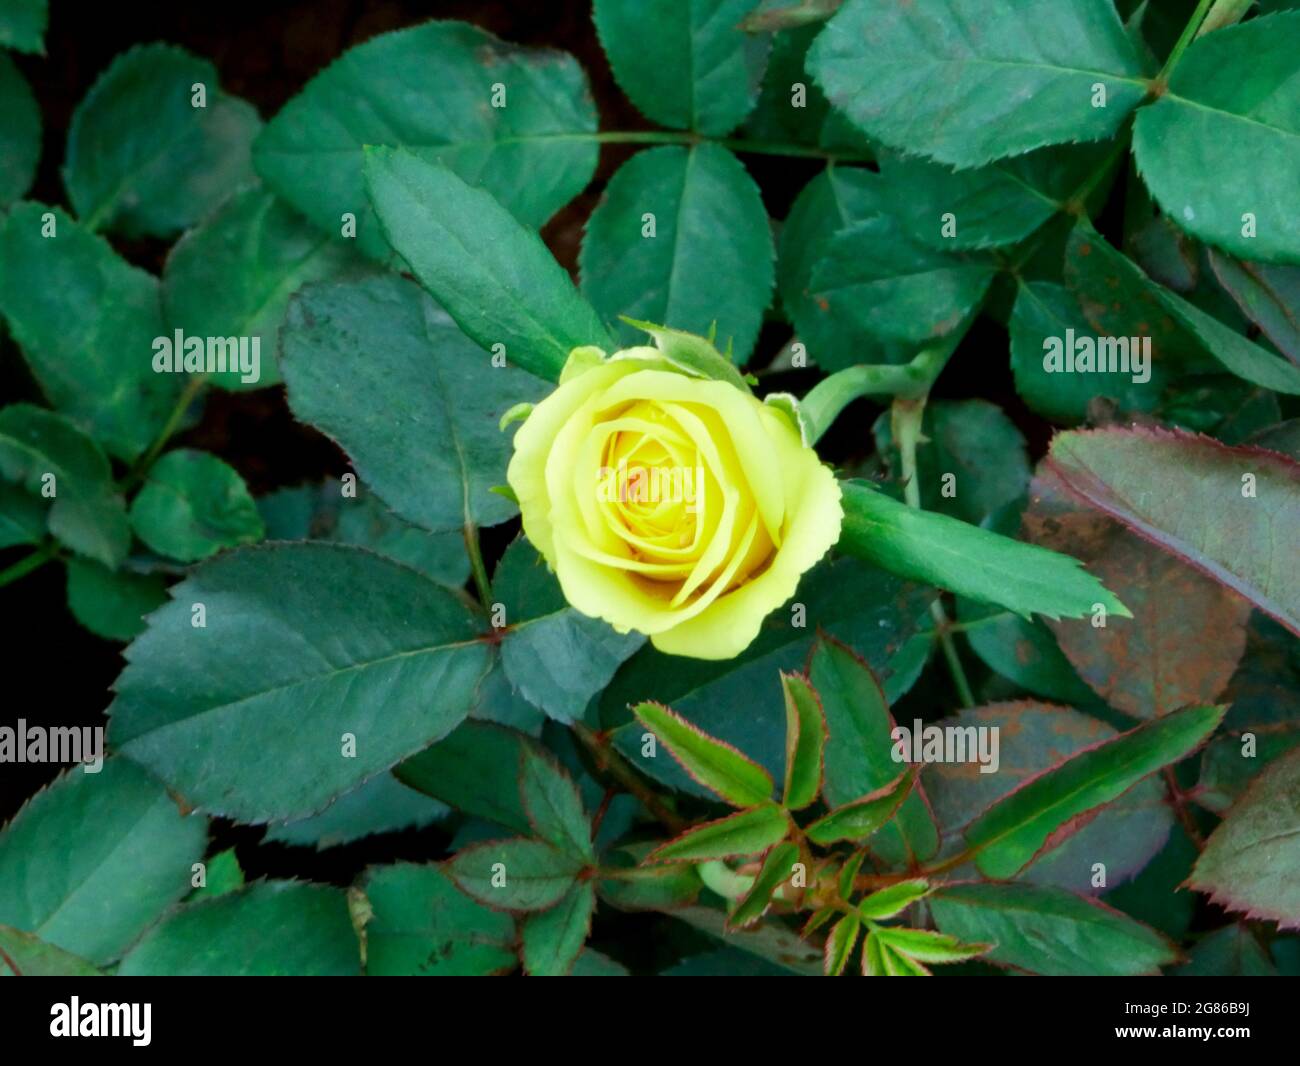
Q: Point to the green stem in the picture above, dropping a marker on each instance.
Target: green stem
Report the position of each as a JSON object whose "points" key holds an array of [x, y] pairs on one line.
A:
{"points": [[183, 401], [906, 418], [24, 566], [611, 764], [1186, 38], [477, 567]]}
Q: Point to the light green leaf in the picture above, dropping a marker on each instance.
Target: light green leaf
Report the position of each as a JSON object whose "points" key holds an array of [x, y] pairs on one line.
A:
{"points": [[269, 929], [748, 832], [90, 862], [684, 63], [371, 650], [223, 874], [840, 942], [193, 505], [86, 321], [1050, 931], [888, 287], [716, 765], [418, 415], [553, 939], [939, 88], [805, 733], [1040, 813], [44, 452], [494, 276], [516, 875], [422, 925], [1251, 860], [233, 275], [30, 956], [1224, 140], [892, 901], [22, 25], [553, 805], [862, 817], [777, 870], [20, 132], [858, 759], [112, 605], [534, 151], [707, 260], [966, 559], [924, 946], [142, 158]]}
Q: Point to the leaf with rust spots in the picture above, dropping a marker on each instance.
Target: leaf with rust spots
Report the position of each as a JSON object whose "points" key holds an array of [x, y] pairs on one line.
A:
{"points": [[1187, 632]]}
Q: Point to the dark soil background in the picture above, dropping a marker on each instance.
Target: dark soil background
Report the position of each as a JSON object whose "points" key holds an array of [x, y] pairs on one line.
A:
{"points": [[265, 52]]}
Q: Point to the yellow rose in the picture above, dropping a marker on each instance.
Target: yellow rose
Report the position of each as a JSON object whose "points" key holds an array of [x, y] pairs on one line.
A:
{"points": [[670, 504]]}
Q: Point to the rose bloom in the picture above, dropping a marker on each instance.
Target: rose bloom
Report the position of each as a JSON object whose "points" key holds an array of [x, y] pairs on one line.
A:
{"points": [[670, 504]]}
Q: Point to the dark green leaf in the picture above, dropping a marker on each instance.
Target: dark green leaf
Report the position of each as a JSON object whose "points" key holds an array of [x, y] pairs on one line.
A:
{"points": [[533, 152], [805, 726], [22, 25], [707, 260], [372, 650], [689, 64], [939, 88], [777, 870], [381, 805], [553, 805], [86, 321], [223, 874], [553, 939], [1232, 951], [142, 157], [193, 505], [24, 955], [269, 929], [20, 132], [495, 277], [1268, 294], [45, 453], [112, 605], [22, 516], [715, 765], [516, 875], [90, 862], [862, 817]]}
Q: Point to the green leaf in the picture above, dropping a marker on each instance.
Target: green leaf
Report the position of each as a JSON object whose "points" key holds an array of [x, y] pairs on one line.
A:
{"points": [[422, 925], [1043, 313], [840, 943], [218, 711], [381, 805], [112, 605], [686, 65], [22, 516], [86, 321], [22, 25], [1158, 660], [193, 505], [30, 956], [1233, 951], [419, 414], [534, 154], [862, 817], [515, 875], [922, 945], [1251, 860], [630, 886], [1222, 141], [44, 452], [223, 875], [1031, 739], [323, 512], [555, 657], [966, 559], [494, 276], [593, 964], [805, 741], [777, 869], [233, 275], [883, 284], [553, 805], [474, 770], [553, 939], [707, 260], [939, 89], [1096, 270], [991, 206], [890, 902], [269, 929], [92, 861], [771, 942], [834, 200], [735, 699], [858, 759], [715, 765], [748, 832], [874, 963], [1187, 494], [1043, 810], [1268, 294], [1050, 931], [693, 354], [20, 132], [142, 158]]}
